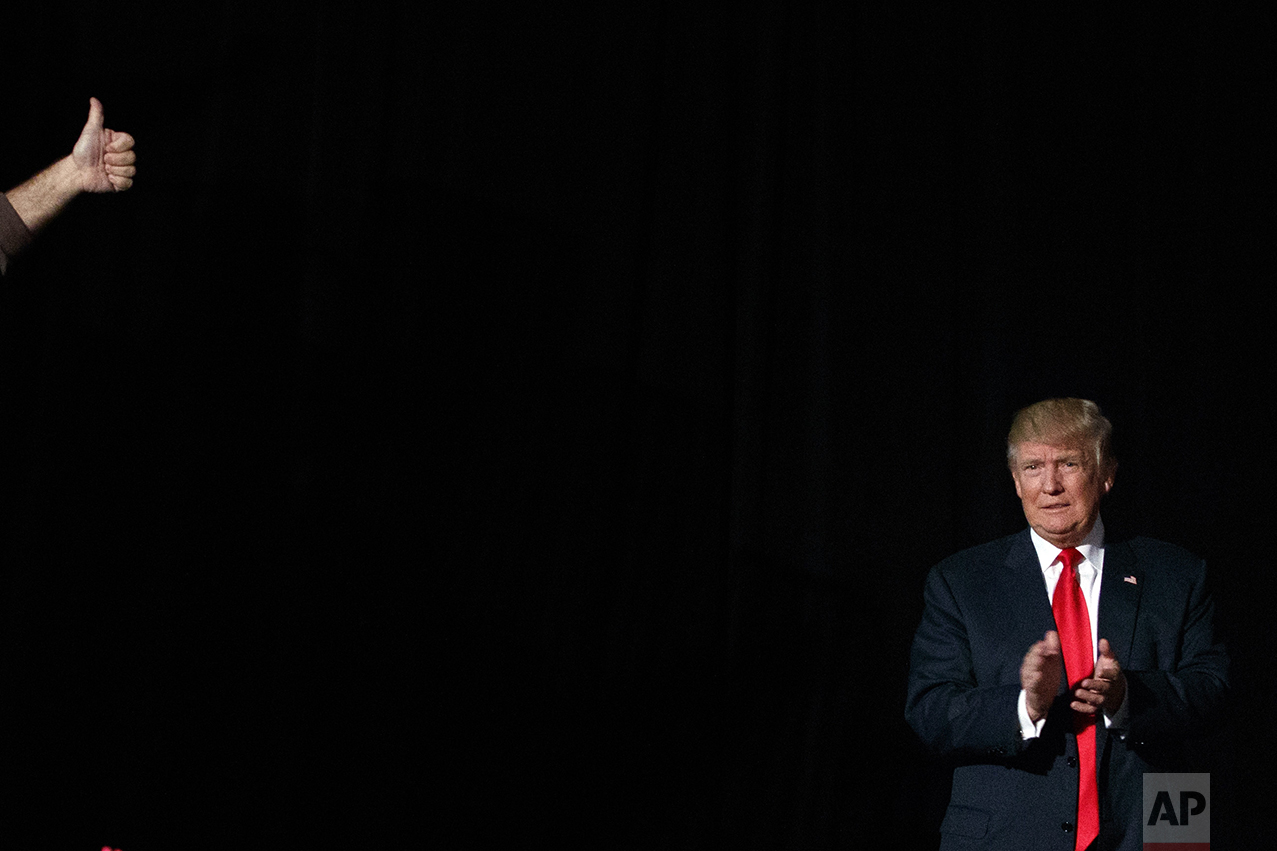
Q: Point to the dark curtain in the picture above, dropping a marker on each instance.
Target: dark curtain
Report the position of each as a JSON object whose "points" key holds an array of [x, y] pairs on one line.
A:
{"points": [[534, 424]]}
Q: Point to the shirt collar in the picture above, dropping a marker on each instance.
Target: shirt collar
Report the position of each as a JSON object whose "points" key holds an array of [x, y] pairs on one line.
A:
{"points": [[1091, 548]]}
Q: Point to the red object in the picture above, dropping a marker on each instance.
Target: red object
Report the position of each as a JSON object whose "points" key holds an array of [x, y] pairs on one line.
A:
{"points": [[1074, 625]]}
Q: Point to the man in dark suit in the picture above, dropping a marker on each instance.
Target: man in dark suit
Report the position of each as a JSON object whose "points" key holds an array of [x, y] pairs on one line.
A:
{"points": [[1056, 666]]}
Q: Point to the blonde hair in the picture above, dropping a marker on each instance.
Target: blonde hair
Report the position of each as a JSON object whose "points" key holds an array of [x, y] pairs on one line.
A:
{"points": [[1064, 422]]}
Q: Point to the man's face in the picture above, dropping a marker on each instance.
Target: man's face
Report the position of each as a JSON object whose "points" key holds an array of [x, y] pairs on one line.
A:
{"points": [[1060, 488]]}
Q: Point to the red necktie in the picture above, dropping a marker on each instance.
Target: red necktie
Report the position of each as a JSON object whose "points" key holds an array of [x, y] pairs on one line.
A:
{"points": [[1074, 625]]}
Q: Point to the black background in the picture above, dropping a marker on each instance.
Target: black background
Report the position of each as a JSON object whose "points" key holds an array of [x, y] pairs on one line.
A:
{"points": [[534, 423]]}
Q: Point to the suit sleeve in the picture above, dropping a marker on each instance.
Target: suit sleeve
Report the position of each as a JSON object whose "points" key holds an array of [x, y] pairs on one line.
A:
{"points": [[947, 706], [1184, 698], [14, 234]]}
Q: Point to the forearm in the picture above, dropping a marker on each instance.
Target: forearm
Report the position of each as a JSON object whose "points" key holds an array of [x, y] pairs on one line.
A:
{"points": [[957, 720], [947, 705], [1174, 706], [39, 200]]}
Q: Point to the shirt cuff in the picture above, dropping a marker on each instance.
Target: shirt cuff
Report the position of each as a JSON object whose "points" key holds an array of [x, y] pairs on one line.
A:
{"points": [[1120, 719], [1029, 729]]}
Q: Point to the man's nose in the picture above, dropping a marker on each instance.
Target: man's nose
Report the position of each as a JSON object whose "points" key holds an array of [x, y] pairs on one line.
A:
{"points": [[1051, 481]]}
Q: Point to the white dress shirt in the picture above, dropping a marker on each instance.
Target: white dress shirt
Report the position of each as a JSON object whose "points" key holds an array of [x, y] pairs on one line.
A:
{"points": [[1089, 572]]}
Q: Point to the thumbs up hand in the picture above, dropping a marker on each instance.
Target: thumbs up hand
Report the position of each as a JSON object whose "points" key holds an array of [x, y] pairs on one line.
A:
{"points": [[104, 158]]}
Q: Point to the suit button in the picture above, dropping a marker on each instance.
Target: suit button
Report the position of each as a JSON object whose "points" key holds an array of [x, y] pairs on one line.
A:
{"points": [[1067, 827], [1072, 762]]}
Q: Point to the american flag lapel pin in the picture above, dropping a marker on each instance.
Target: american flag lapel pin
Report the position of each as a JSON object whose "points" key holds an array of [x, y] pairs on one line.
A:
{"points": [[1130, 579]]}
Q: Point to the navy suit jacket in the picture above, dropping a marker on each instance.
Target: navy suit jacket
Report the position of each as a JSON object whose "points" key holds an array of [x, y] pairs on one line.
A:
{"points": [[984, 607]]}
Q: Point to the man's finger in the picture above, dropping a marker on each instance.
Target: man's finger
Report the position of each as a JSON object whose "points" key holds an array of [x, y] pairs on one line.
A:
{"points": [[96, 115], [119, 142], [1107, 665], [1106, 650], [1043, 650], [1094, 685]]}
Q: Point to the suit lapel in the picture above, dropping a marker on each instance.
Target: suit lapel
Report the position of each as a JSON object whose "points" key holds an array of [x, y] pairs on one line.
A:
{"points": [[1120, 589], [1025, 583]]}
